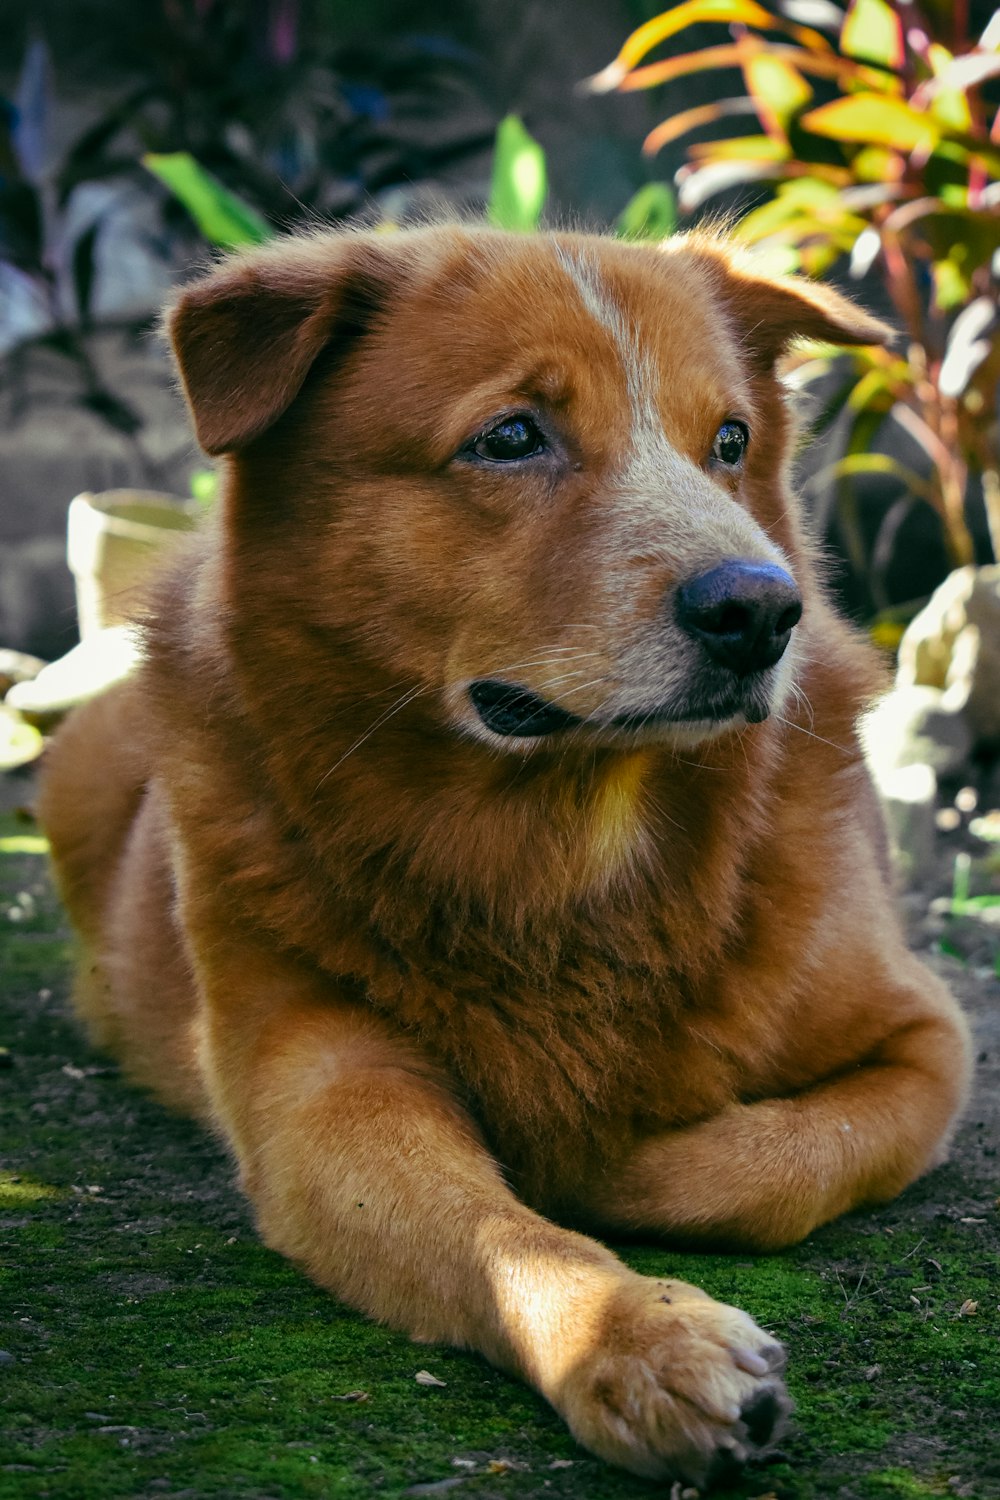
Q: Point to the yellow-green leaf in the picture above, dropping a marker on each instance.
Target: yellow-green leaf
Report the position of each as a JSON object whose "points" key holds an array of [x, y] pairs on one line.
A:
{"points": [[748, 148], [651, 214], [872, 32], [519, 186], [951, 286], [778, 90], [223, 219], [874, 120], [877, 164]]}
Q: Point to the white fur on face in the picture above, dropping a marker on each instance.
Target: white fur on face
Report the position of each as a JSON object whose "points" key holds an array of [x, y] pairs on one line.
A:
{"points": [[669, 512], [697, 524]]}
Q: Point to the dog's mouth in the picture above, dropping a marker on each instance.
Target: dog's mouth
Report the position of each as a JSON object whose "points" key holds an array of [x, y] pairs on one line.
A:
{"points": [[513, 711]]}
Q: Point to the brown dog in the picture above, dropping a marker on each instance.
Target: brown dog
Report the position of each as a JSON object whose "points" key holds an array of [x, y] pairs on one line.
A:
{"points": [[486, 836]]}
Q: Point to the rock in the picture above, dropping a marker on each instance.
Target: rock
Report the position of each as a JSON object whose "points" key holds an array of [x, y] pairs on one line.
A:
{"points": [[917, 725], [954, 645], [909, 796]]}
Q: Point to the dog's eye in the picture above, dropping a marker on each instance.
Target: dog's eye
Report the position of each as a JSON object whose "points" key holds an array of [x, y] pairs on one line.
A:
{"points": [[730, 443], [512, 438]]}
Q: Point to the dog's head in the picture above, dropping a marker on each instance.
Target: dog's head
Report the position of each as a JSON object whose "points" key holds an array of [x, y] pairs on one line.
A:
{"points": [[540, 481]]}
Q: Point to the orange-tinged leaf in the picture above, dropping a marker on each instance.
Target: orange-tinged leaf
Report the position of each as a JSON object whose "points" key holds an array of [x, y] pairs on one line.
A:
{"points": [[689, 13], [690, 119], [872, 32], [874, 120], [820, 64]]}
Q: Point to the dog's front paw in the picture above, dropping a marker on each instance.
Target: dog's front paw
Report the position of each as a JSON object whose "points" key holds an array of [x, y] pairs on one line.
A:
{"points": [[679, 1387]]}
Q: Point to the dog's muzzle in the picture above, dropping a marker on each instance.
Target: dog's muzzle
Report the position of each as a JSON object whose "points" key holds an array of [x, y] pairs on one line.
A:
{"points": [[741, 613]]}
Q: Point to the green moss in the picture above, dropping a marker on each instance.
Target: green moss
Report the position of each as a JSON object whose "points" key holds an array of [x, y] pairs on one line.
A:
{"points": [[159, 1348]]}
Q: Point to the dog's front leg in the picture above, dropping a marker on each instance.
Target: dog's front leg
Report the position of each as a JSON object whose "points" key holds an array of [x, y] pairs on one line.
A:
{"points": [[764, 1174], [365, 1169]]}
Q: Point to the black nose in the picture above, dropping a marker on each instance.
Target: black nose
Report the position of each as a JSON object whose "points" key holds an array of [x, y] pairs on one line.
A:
{"points": [[742, 613]]}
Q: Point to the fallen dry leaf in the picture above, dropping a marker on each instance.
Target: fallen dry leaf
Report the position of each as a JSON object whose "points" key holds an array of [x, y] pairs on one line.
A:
{"points": [[352, 1396], [424, 1377], [968, 1309]]}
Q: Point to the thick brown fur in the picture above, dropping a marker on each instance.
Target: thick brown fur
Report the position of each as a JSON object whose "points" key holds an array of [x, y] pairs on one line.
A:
{"points": [[433, 983]]}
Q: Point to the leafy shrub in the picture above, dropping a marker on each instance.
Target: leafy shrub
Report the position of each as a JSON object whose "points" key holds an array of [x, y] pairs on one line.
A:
{"points": [[878, 127]]}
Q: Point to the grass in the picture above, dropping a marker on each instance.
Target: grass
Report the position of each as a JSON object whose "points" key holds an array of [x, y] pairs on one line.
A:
{"points": [[152, 1347]]}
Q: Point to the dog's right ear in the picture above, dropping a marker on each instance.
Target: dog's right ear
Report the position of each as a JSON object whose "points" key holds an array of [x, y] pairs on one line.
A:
{"points": [[246, 336]]}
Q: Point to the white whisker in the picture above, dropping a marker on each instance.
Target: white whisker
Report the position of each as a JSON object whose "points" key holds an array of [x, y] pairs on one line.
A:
{"points": [[400, 703]]}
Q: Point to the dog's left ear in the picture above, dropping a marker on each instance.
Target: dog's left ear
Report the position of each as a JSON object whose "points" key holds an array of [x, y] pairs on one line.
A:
{"points": [[770, 313]]}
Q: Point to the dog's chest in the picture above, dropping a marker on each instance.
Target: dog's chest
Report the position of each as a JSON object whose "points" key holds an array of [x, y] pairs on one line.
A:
{"points": [[562, 1049]]}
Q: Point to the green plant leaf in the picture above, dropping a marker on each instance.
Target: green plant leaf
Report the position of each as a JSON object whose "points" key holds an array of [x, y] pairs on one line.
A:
{"points": [[778, 90], [651, 214], [520, 184], [943, 94], [952, 287], [744, 148], [223, 219], [872, 32], [874, 120], [877, 463]]}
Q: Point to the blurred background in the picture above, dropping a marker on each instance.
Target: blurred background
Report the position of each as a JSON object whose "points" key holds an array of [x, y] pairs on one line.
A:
{"points": [[856, 141], [303, 109]]}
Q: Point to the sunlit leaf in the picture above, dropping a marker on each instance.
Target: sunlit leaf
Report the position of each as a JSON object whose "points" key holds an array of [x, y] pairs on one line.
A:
{"points": [[961, 73], [19, 742], [872, 32], [873, 390], [691, 12], [874, 119], [865, 251], [222, 218], [816, 259], [876, 463], [951, 286], [519, 186], [968, 345], [819, 64], [748, 148], [887, 634], [813, 13], [651, 214], [689, 119], [877, 164], [779, 91], [696, 186], [943, 94], [804, 206]]}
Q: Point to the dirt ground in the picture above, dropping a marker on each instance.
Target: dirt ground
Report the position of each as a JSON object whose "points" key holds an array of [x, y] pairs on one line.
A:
{"points": [[149, 1346]]}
